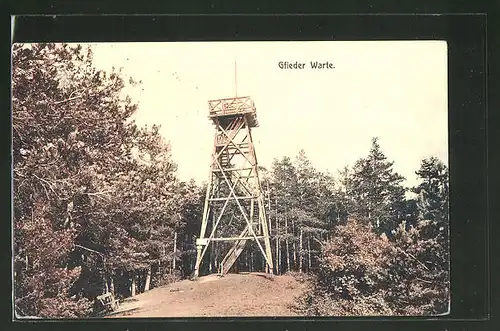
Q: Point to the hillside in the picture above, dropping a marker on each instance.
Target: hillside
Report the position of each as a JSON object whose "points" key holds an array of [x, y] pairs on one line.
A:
{"points": [[250, 294]]}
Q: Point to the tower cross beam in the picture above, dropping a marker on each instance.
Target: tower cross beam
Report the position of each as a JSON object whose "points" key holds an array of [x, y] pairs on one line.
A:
{"points": [[215, 227], [229, 141], [252, 232]]}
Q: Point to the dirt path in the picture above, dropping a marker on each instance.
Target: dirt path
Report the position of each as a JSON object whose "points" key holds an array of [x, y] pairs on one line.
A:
{"points": [[253, 294]]}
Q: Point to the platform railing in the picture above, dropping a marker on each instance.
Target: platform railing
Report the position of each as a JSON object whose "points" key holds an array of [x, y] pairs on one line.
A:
{"points": [[231, 106]]}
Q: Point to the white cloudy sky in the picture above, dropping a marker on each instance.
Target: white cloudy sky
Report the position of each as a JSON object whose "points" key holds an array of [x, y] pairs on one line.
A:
{"points": [[394, 90]]}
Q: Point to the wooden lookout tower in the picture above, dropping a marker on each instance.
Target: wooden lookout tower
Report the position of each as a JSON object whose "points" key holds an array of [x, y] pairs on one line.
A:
{"points": [[234, 211]]}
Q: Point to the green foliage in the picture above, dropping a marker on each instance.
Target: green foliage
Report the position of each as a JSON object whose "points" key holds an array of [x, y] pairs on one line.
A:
{"points": [[361, 272], [433, 191], [59, 143], [376, 190], [352, 273], [302, 207], [365, 274], [42, 276], [105, 189], [419, 270]]}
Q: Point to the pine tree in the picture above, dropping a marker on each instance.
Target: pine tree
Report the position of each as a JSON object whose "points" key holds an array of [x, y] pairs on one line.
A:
{"points": [[422, 266], [344, 204], [63, 144], [377, 190], [106, 184], [284, 180], [419, 270], [312, 206], [432, 201]]}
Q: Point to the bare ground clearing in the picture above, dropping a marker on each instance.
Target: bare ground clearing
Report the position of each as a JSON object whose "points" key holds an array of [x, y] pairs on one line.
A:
{"points": [[234, 295]]}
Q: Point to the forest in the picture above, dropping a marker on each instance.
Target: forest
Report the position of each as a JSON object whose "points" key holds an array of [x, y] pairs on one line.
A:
{"points": [[98, 206]]}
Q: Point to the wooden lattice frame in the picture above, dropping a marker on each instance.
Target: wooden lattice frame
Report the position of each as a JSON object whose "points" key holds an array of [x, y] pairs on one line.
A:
{"points": [[234, 138]]}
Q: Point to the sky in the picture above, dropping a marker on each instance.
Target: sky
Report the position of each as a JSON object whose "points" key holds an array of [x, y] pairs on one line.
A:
{"points": [[394, 90]]}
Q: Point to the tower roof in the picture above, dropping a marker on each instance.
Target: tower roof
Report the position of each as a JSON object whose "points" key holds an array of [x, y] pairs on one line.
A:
{"points": [[230, 107]]}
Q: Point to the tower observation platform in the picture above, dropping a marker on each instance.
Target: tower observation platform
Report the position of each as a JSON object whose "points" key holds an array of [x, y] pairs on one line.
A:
{"points": [[224, 110]]}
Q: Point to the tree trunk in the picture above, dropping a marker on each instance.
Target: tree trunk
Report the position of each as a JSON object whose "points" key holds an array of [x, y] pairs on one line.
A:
{"points": [[278, 266], [249, 257], [246, 263], [309, 252], [216, 257], [139, 283], [211, 253], [300, 252], [294, 246], [133, 286], [276, 238], [175, 250], [287, 246], [294, 261], [112, 286], [163, 250], [148, 280], [106, 288]]}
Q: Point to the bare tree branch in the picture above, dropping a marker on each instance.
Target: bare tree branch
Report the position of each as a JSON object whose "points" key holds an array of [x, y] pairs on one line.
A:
{"points": [[66, 100], [90, 250], [413, 257], [423, 280], [48, 184]]}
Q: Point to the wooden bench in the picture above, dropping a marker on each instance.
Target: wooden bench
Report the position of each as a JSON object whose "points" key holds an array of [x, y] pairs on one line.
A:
{"points": [[108, 301]]}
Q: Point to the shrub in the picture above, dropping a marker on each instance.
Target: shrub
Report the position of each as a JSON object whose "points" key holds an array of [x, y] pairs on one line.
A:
{"points": [[364, 274]]}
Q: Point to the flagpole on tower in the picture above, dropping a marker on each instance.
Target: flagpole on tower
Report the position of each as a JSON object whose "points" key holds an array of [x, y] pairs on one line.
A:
{"points": [[235, 79]]}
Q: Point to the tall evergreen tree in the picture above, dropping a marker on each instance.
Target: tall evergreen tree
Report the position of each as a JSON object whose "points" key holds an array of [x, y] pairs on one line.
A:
{"points": [[377, 190], [83, 170], [432, 192], [62, 142], [311, 188], [284, 179], [344, 203]]}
